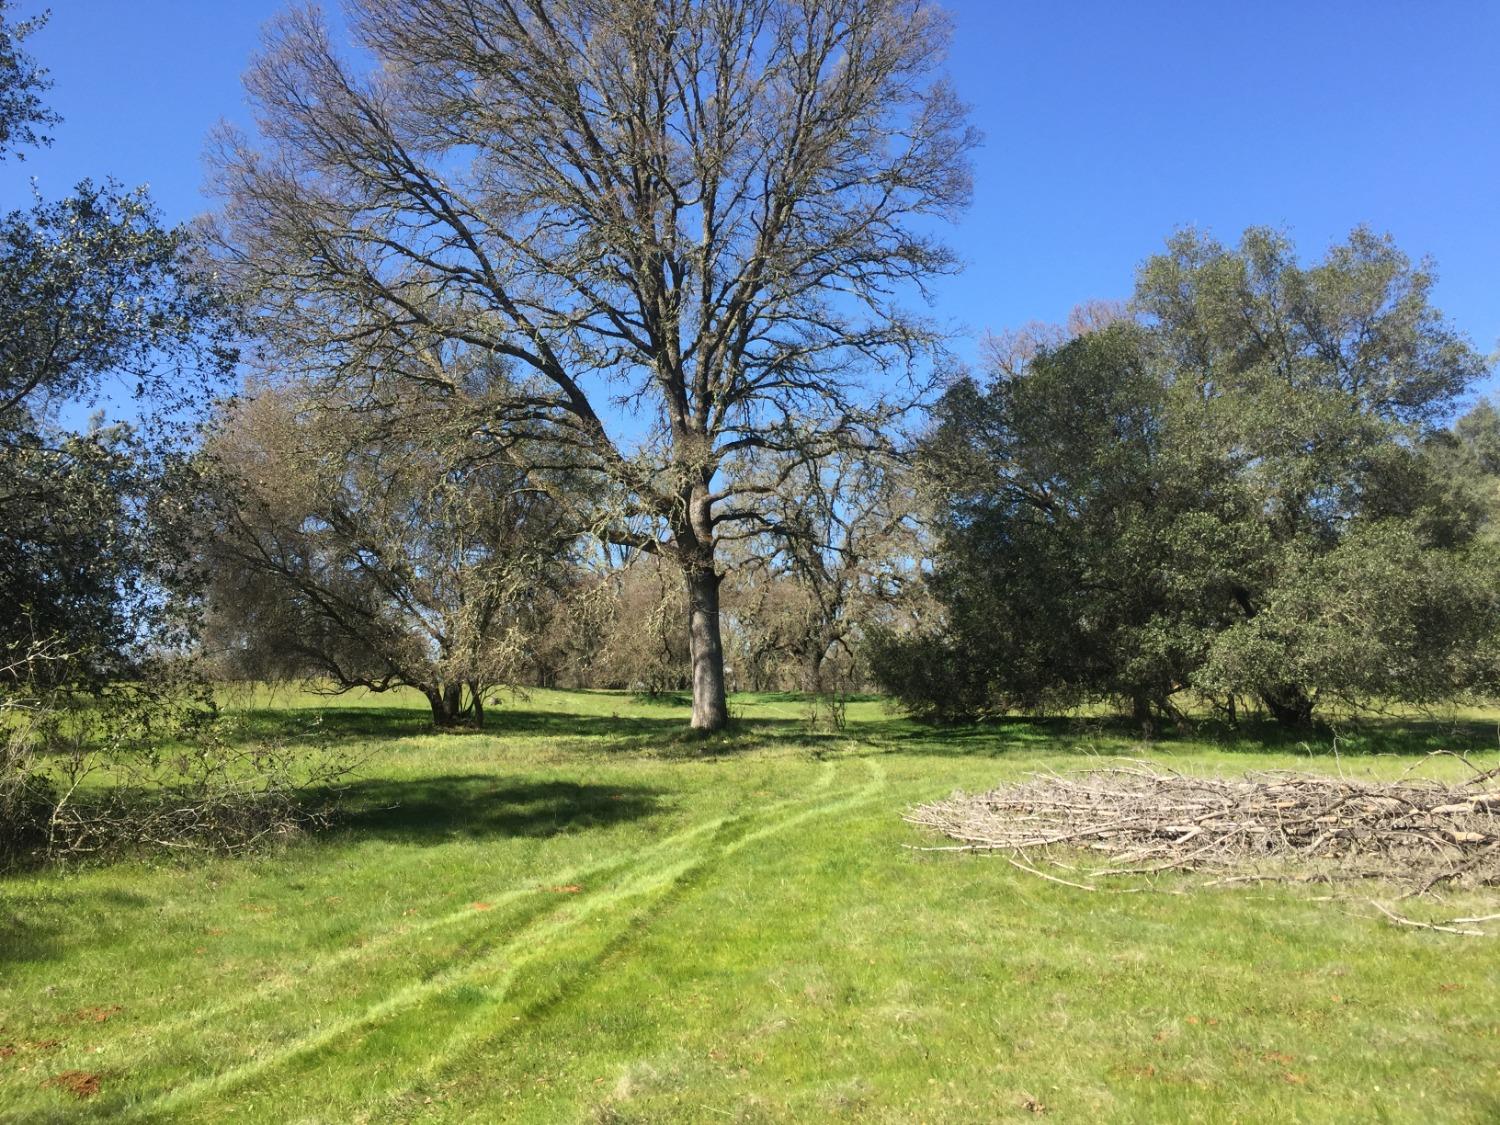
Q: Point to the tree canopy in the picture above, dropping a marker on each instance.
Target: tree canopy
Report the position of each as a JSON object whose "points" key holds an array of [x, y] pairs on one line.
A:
{"points": [[353, 549], [24, 116], [97, 299], [1239, 492]]}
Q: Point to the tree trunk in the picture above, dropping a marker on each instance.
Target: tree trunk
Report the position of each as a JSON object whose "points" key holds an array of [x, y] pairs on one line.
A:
{"points": [[1289, 705], [437, 699], [448, 710], [1141, 713], [710, 711], [812, 670]]}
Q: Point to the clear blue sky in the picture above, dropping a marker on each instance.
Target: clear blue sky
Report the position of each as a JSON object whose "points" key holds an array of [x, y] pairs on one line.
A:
{"points": [[1107, 125]]}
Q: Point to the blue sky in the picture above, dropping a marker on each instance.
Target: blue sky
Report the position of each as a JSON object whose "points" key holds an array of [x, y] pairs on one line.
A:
{"points": [[1107, 125]]}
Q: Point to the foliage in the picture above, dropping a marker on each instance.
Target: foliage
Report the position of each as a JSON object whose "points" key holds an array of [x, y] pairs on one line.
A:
{"points": [[141, 765], [1244, 492], [106, 738], [24, 117], [1077, 537], [93, 291], [352, 548], [1478, 438], [90, 556], [1380, 617]]}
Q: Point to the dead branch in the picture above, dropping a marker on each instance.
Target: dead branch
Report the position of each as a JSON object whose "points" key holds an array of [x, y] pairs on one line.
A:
{"points": [[1142, 820], [1413, 923]]}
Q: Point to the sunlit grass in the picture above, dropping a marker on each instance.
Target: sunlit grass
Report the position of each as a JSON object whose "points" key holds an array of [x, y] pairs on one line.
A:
{"points": [[586, 914]]}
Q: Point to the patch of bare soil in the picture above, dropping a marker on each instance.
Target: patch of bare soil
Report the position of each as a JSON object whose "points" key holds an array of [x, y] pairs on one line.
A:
{"points": [[79, 1083]]}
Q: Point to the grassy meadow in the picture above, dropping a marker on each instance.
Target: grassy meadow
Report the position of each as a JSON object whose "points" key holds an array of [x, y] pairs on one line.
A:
{"points": [[584, 914]]}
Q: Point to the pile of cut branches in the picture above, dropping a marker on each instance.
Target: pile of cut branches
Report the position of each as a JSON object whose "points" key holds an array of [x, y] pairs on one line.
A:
{"points": [[1140, 819]]}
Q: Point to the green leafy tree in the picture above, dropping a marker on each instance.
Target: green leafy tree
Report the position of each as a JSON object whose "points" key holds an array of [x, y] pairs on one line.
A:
{"points": [[97, 299], [1478, 435], [24, 117], [1087, 538], [102, 309], [1326, 383], [1242, 492]]}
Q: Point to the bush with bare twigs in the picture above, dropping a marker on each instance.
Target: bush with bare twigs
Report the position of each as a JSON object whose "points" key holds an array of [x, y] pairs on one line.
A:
{"points": [[144, 764]]}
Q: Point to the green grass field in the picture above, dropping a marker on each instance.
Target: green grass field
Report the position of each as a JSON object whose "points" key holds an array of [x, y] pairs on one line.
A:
{"points": [[584, 915]]}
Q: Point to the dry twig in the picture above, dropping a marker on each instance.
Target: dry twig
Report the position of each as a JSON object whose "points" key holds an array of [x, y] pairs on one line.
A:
{"points": [[1298, 827]]}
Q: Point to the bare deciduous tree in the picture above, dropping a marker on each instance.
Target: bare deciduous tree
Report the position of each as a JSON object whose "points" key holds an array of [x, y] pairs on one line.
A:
{"points": [[839, 549], [690, 227], [641, 644]]}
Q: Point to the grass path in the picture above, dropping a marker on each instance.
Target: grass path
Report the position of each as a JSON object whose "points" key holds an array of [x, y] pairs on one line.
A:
{"points": [[582, 917], [621, 894], [467, 917]]}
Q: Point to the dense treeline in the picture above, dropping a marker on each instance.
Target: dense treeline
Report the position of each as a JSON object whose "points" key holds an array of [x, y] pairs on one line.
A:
{"points": [[1241, 490]]}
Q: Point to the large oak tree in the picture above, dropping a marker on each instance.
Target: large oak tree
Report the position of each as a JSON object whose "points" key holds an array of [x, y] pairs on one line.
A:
{"points": [[690, 228]]}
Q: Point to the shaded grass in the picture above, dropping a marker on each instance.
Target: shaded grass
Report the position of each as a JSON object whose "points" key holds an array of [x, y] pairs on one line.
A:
{"points": [[585, 914], [430, 810]]}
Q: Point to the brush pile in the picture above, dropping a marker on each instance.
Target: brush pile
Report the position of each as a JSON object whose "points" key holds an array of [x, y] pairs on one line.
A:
{"points": [[1140, 819]]}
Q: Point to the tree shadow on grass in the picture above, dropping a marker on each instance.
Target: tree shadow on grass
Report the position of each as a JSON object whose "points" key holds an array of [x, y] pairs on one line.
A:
{"points": [[803, 697], [1406, 736], [369, 722], [1365, 737], [421, 811], [666, 735], [678, 699], [997, 737], [31, 931], [431, 810]]}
